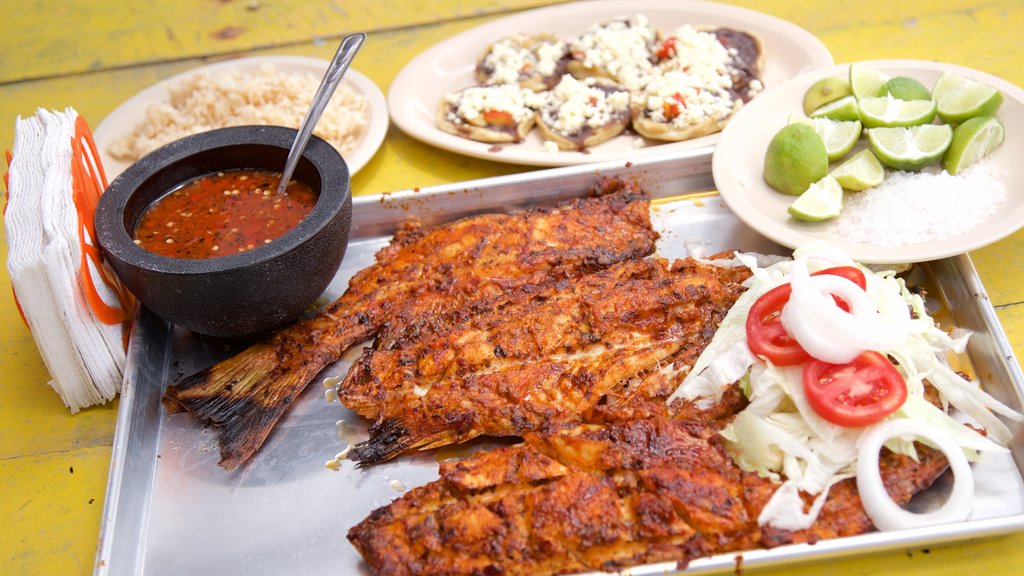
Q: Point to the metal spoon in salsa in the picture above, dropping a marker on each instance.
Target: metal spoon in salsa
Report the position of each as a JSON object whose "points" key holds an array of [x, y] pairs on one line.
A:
{"points": [[223, 213]]}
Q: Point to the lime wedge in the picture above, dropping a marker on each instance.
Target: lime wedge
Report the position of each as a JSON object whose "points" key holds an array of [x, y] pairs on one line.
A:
{"points": [[889, 112], [910, 148], [843, 109], [839, 136], [795, 158], [821, 201], [959, 98], [825, 91], [860, 172], [866, 81], [798, 118], [904, 88], [972, 141]]}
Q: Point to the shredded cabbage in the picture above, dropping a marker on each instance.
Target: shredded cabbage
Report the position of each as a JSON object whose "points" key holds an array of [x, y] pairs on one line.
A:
{"points": [[728, 357], [779, 436]]}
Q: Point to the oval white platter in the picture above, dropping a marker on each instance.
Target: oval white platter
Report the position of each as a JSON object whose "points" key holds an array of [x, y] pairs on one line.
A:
{"points": [[449, 65]]}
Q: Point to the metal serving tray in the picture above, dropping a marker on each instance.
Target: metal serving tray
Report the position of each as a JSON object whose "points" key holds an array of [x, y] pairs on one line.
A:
{"points": [[171, 510]]}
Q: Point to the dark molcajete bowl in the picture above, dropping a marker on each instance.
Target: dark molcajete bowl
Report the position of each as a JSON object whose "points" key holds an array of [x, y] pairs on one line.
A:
{"points": [[246, 293]]}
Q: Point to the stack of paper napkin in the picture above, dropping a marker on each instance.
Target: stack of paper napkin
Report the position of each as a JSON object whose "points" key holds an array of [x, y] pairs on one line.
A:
{"points": [[84, 355]]}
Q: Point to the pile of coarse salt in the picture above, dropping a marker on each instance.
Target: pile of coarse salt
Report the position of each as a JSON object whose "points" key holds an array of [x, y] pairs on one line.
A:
{"points": [[921, 207]]}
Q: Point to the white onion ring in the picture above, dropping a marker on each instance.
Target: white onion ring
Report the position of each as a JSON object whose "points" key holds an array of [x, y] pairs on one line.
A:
{"points": [[826, 331], [884, 513]]}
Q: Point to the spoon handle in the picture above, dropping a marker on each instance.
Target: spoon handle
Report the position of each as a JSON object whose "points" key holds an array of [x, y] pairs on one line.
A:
{"points": [[339, 64]]}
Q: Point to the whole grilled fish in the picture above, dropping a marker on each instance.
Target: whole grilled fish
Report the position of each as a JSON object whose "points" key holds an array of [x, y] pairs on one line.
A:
{"points": [[602, 497], [424, 280], [546, 358]]}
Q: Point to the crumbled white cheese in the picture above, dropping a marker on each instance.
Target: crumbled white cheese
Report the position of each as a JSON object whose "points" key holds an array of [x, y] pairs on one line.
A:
{"points": [[515, 57], [692, 47], [549, 54], [695, 98], [573, 105], [470, 103], [550, 146], [622, 47], [507, 59]]}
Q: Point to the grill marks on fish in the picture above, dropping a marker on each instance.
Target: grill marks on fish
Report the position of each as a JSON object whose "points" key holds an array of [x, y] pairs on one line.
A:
{"points": [[423, 282], [545, 359], [600, 497]]}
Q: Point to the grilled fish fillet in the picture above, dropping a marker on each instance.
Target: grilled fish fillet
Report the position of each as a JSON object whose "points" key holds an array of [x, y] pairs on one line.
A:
{"points": [[424, 280], [543, 359], [601, 497]]}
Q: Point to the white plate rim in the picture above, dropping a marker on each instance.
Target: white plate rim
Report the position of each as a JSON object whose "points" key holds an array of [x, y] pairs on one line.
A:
{"points": [[425, 70], [129, 113], [739, 188]]}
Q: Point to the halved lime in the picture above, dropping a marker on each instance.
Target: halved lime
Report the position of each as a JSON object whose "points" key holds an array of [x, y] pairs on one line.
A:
{"points": [[910, 148], [959, 98], [839, 136], [973, 140], [825, 91], [795, 158], [865, 80], [843, 109], [889, 112], [860, 172], [904, 88], [822, 200]]}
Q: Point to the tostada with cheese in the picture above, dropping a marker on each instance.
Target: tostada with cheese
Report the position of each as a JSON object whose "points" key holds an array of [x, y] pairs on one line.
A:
{"points": [[581, 113], [536, 62], [621, 50], [706, 75], [498, 113]]}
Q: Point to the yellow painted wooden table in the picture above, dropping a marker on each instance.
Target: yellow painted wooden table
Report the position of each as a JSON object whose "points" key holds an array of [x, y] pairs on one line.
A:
{"points": [[92, 54]]}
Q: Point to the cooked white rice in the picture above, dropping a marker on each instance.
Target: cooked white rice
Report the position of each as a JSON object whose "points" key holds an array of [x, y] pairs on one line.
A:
{"points": [[207, 101]]}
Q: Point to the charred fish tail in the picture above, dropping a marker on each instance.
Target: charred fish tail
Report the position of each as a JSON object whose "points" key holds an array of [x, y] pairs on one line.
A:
{"points": [[243, 397]]}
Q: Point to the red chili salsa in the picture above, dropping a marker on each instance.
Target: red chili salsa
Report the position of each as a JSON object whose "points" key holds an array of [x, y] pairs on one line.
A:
{"points": [[222, 214]]}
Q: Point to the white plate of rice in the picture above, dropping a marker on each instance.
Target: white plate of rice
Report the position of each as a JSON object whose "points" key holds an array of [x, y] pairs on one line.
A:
{"points": [[271, 90], [910, 217]]}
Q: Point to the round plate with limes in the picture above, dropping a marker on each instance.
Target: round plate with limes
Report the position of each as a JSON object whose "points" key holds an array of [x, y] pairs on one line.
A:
{"points": [[739, 160]]}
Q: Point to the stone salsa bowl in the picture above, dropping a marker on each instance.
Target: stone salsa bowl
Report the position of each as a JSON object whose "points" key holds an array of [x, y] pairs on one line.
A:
{"points": [[241, 294]]}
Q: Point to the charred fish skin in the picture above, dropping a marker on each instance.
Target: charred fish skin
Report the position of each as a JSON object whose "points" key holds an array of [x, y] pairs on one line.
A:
{"points": [[601, 497], [422, 279], [539, 362]]}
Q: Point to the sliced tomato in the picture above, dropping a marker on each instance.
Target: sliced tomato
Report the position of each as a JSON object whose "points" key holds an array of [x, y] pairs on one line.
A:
{"points": [[856, 394], [669, 109], [498, 118], [765, 334], [850, 273], [668, 48]]}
